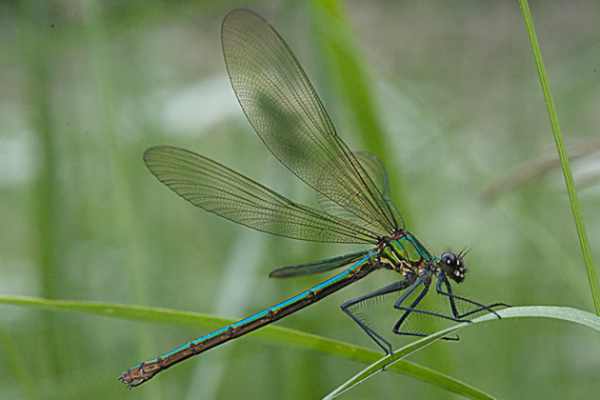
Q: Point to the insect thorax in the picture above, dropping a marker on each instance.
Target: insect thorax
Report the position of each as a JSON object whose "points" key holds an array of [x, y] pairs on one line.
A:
{"points": [[405, 254]]}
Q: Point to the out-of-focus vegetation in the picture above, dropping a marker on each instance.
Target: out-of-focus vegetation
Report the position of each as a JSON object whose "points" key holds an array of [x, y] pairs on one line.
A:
{"points": [[87, 86]]}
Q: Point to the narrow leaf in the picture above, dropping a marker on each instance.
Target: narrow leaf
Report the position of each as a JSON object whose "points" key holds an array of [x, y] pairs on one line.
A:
{"points": [[272, 334], [561, 313], [562, 155]]}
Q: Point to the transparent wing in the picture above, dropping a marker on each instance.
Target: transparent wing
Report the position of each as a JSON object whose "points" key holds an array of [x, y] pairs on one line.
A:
{"points": [[375, 169], [316, 267], [220, 190], [286, 113]]}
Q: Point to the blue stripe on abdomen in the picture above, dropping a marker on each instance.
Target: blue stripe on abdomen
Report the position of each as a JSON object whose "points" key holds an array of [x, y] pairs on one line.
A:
{"points": [[338, 277], [273, 309], [290, 301]]}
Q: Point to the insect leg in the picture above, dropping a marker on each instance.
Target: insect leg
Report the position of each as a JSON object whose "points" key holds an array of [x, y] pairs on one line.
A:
{"points": [[408, 310], [452, 299], [348, 305], [412, 309]]}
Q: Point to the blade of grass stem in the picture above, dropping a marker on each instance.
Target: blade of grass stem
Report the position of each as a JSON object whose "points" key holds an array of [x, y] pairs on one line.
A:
{"points": [[561, 313], [271, 334], [562, 154], [17, 364], [45, 189]]}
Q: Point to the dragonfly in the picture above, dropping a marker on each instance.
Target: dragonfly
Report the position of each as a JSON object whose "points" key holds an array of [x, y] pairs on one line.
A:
{"points": [[285, 111]]}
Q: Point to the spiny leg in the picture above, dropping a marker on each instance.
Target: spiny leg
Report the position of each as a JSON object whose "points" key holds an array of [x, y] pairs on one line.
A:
{"points": [[394, 287], [452, 299], [412, 309], [398, 305], [438, 287]]}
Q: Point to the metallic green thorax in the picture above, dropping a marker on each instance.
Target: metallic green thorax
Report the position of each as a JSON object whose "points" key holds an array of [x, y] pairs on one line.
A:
{"points": [[405, 251]]}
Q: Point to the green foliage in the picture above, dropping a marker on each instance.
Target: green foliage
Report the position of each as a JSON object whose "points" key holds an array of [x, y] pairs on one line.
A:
{"points": [[383, 364], [272, 334], [564, 158]]}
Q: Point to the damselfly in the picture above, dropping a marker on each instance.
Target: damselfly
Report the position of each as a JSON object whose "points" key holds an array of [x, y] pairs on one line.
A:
{"points": [[285, 111]]}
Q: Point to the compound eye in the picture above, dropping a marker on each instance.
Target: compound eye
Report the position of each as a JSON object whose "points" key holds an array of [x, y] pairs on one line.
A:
{"points": [[449, 259]]}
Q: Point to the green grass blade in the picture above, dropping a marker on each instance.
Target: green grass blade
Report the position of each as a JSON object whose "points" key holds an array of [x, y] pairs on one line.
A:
{"points": [[17, 364], [47, 239], [562, 154], [561, 313], [271, 334]]}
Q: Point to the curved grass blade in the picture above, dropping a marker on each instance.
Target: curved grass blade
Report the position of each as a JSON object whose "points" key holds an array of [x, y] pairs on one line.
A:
{"points": [[562, 313], [271, 334], [592, 274]]}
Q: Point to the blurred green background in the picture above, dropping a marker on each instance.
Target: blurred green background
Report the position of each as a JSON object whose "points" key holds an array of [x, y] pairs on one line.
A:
{"points": [[451, 104]]}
